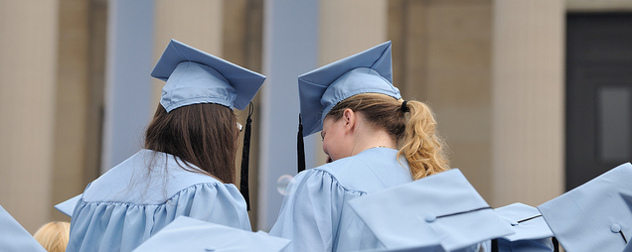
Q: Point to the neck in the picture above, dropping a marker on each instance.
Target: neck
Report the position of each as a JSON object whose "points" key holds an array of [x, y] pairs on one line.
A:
{"points": [[372, 139]]}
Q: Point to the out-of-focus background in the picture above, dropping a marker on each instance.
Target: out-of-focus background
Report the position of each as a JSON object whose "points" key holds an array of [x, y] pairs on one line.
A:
{"points": [[533, 97]]}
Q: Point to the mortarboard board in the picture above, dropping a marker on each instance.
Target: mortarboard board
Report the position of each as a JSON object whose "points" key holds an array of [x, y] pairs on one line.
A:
{"points": [[593, 216], [321, 89], [531, 233], [194, 76], [443, 208], [13, 237], [68, 206], [188, 234]]}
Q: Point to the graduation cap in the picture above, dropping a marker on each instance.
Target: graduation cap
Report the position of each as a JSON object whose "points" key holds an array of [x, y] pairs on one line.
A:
{"points": [[321, 89], [188, 234], [531, 233], [68, 206], [443, 208], [195, 77], [594, 216], [13, 237]]}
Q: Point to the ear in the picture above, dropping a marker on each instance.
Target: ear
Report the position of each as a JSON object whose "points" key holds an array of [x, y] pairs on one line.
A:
{"points": [[350, 119]]}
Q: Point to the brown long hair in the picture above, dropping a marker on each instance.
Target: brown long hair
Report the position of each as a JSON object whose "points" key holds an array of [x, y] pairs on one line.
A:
{"points": [[414, 131], [204, 135]]}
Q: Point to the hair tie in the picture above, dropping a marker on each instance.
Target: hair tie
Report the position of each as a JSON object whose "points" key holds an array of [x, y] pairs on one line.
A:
{"points": [[404, 108]]}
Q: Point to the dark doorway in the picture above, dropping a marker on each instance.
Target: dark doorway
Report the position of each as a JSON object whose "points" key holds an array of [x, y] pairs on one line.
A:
{"points": [[598, 94]]}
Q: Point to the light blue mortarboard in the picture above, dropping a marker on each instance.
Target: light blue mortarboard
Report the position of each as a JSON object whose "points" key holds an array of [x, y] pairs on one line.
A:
{"points": [[68, 206], [595, 215], [443, 208], [194, 77], [321, 89], [188, 234], [13, 237], [531, 231]]}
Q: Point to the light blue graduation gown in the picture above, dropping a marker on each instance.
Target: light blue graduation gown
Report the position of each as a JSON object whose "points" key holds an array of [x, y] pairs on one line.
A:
{"points": [[316, 215], [137, 198]]}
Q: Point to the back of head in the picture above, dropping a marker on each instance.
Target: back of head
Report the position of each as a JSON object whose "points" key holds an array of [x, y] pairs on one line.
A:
{"points": [[413, 127], [204, 135], [53, 236]]}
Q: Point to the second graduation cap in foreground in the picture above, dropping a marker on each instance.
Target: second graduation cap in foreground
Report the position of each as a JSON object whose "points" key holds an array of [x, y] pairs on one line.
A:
{"points": [[188, 234], [442, 208], [593, 216], [531, 231]]}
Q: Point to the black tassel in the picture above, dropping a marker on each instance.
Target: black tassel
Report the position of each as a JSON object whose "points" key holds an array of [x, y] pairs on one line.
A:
{"points": [[495, 245], [556, 245], [300, 147], [245, 159]]}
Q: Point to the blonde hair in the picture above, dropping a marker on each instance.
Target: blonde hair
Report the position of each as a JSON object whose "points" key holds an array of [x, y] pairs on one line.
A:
{"points": [[413, 127], [53, 236]]}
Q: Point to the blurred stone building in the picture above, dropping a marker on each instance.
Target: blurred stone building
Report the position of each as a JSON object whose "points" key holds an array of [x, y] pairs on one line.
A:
{"points": [[532, 97]]}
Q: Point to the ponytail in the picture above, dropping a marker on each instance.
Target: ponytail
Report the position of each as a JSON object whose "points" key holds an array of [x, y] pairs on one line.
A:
{"points": [[421, 146], [410, 123]]}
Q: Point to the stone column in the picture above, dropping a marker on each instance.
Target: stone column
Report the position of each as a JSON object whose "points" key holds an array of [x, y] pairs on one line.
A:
{"points": [[290, 47], [128, 84], [528, 101], [27, 108]]}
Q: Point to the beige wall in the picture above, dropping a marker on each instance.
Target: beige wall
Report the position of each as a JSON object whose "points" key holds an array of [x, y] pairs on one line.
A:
{"points": [[528, 101], [28, 51], [347, 29]]}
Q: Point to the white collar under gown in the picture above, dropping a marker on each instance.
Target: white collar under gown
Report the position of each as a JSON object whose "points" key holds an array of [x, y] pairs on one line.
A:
{"points": [[316, 214], [131, 202]]}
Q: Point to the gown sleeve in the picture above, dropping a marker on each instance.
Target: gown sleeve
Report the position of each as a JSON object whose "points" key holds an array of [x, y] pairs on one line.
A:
{"points": [[310, 214]]}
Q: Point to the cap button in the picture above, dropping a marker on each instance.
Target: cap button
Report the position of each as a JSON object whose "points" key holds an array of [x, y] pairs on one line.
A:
{"points": [[209, 249], [514, 223], [430, 218], [615, 228]]}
